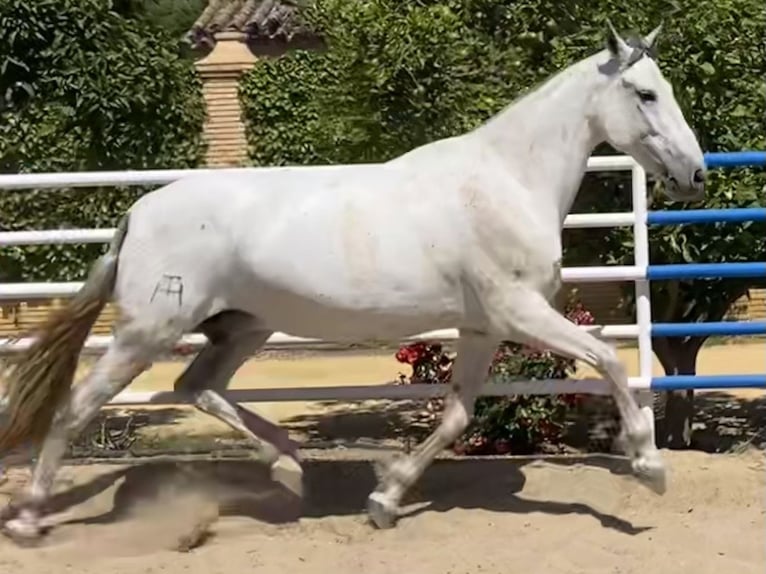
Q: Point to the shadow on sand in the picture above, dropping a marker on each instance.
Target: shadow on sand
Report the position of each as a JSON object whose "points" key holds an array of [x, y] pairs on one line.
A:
{"points": [[349, 423], [724, 423], [332, 488], [339, 486]]}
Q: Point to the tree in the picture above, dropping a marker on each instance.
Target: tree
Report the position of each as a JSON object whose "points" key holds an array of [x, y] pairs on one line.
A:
{"points": [[720, 86], [397, 75], [86, 89], [174, 17], [400, 74]]}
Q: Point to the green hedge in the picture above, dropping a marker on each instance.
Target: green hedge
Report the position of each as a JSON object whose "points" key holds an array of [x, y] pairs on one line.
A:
{"points": [[399, 73], [83, 87]]}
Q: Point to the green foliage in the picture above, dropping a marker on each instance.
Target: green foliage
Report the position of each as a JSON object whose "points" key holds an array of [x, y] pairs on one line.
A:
{"points": [[280, 111], [713, 54], [400, 74], [397, 74], [174, 17], [86, 89]]}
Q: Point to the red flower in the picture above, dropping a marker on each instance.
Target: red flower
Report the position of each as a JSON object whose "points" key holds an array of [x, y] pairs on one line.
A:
{"points": [[579, 315], [411, 354], [548, 429]]}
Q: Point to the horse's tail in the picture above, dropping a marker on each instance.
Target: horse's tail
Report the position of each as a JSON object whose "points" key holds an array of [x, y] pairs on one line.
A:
{"points": [[40, 379]]}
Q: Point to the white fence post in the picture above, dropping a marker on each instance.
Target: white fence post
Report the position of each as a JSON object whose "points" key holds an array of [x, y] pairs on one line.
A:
{"points": [[642, 289]]}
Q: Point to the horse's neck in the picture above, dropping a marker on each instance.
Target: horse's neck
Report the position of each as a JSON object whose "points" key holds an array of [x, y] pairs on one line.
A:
{"points": [[547, 137]]}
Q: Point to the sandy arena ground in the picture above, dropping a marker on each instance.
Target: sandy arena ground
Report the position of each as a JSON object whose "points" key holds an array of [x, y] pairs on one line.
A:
{"points": [[552, 516]]}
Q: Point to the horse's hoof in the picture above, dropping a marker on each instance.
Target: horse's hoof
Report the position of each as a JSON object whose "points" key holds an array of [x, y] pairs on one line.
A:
{"points": [[650, 470], [382, 514], [23, 532], [288, 472]]}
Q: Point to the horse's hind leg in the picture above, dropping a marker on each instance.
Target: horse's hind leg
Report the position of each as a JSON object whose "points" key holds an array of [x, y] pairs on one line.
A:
{"points": [[131, 352], [232, 339]]}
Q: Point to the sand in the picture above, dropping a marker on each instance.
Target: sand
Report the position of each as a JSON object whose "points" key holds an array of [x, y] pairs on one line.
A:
{"points": [[552, 516], [467, 516]]}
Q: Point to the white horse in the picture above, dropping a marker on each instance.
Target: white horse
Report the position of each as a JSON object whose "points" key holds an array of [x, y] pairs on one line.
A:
{"points": [[464, 232]]}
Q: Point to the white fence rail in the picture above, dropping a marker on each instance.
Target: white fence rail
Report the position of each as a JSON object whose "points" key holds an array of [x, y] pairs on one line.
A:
{"points": [[636, 273], [69, 236], [17, 291]]}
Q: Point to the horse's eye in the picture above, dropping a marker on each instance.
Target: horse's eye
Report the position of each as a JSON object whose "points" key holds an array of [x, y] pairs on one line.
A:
{"points": [[647, 96]]}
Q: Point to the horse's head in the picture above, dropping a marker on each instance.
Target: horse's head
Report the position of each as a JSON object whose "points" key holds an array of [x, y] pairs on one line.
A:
{"points": [[639, 116]]}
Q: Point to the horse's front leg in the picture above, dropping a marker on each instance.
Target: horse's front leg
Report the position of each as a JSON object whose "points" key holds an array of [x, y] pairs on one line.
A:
{"points": [[474, 357], [524, 315]]}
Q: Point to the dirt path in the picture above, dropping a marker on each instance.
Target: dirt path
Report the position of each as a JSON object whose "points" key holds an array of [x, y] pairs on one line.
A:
{"points": [[469, 516]]}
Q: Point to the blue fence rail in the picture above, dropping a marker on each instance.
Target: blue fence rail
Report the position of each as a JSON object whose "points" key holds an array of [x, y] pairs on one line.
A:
{"points": [[735, 159], [756, 269], [690, 216], [750, 269], [700, 382], [710, 329]]}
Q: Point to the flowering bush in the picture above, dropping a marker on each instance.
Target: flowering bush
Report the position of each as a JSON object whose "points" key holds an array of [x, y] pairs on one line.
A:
{"points": [[520, 424]]}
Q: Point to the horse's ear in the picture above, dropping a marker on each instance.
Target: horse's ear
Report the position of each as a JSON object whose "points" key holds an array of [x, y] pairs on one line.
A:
{"points": [[616, 45], [651, 37]]}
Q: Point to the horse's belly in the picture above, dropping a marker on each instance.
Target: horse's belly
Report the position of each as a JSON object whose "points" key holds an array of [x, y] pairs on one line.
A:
{"points": [[365, 316]]}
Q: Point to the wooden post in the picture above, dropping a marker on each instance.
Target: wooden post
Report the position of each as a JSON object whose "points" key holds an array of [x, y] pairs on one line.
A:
{"points": [[220, 71]]}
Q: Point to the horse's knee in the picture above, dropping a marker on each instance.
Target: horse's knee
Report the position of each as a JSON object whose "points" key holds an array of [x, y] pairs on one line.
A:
{"points": [[607, 361]]}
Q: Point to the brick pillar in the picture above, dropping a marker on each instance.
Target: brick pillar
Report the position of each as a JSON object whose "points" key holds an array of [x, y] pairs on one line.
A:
{"points": [[220, 71]]}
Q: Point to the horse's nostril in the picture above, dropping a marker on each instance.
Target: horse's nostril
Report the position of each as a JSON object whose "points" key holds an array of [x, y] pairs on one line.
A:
{"points": [[699, 176]]}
